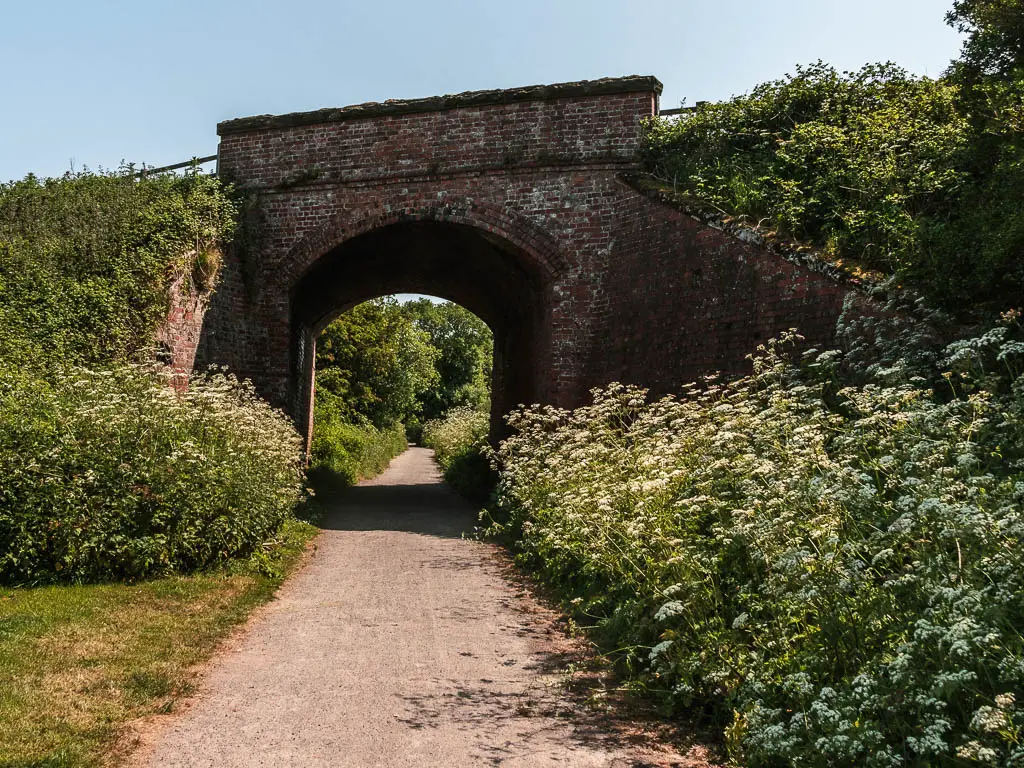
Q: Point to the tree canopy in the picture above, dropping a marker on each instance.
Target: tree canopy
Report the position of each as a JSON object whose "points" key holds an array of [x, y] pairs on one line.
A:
{"points": [[465, 346], [373, 363]]}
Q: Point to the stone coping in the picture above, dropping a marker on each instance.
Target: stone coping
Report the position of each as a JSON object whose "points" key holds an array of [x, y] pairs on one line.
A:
{"points": [[607, 85]]}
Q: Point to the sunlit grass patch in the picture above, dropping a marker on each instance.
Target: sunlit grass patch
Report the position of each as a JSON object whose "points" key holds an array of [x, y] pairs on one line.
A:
{"points": [[78, 662]]}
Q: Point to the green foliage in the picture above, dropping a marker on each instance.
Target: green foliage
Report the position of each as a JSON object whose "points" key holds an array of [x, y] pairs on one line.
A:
{"points": [[344, 453], [383, 363], [106, 472], [373, 363], [836, 572], [112, 474], [459, 440], [994, 46], [465, 347], [460, 429], [988, 232], [81, 662], [86, 261], [894, 173]]}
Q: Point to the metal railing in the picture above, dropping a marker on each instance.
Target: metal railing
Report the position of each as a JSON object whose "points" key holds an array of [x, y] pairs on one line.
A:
{"points": [[164, 168], [681, 110]]}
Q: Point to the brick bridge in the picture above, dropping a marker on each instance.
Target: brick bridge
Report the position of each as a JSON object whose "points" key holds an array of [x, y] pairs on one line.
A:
{"points": [[523, 206]]}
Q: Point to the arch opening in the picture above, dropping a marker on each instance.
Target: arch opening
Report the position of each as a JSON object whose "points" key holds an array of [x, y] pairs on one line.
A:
{"points": [[497, 281]]}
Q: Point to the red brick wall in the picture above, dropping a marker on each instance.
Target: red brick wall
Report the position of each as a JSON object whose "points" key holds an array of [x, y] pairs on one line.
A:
{"points": [[373, 143], [181, 331], [692, 299]]}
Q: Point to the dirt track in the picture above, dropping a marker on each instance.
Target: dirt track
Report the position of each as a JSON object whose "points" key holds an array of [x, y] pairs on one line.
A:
{"points": [[399, 643]]}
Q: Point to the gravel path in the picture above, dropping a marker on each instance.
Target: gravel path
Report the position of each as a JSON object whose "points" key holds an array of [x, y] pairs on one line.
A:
{"points": [[398, 643]]}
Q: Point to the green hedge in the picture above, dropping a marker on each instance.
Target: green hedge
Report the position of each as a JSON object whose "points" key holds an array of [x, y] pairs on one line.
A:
{"points": [[112, 474], [86, 261], [344, 453]]}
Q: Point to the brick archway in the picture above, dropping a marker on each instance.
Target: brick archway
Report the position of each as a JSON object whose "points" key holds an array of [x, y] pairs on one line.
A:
{"points": [[519, 204], [460, 254], [536, 245]]}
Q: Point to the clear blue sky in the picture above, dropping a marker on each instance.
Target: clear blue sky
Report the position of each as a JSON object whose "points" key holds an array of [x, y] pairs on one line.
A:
{"points": [[96, 82]]}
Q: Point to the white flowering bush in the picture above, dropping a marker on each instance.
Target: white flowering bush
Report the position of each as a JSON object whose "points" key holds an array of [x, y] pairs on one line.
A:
{"points": [[112, 474], [459, 440], [833, 572], [459, 430]]}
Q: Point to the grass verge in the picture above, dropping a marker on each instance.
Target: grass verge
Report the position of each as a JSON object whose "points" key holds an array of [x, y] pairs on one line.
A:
{"points": [[78, 662]]}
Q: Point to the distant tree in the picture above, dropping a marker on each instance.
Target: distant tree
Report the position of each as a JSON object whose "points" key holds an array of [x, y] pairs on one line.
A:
{"points": [[465, 349], [373, 362]]}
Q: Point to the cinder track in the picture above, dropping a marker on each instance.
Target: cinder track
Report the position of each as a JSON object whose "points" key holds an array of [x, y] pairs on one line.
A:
{"points": [[398, 643]]}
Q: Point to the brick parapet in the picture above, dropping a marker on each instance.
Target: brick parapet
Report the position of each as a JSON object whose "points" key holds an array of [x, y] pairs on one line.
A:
{"points": [[642, 84], [565, 132]]}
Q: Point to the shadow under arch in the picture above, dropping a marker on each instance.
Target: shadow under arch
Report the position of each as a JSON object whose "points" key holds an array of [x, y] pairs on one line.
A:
{"points": [[504, 284]]}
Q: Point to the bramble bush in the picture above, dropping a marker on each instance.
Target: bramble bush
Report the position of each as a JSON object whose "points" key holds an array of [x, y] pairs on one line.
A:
{"points": [[112, 474], [833, 572], [459, 440]]}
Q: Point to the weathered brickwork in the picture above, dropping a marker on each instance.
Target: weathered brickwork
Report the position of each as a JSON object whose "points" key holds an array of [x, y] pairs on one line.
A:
{"points": [[180, 333], [699, 299], [514, 203]]}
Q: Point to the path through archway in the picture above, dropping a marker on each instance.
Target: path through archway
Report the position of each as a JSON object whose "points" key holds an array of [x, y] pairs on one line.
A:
{"points": [[482, 272]]}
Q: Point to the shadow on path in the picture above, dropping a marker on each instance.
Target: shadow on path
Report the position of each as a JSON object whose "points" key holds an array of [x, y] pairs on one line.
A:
{"points": [[402, 644], [432, 509]]}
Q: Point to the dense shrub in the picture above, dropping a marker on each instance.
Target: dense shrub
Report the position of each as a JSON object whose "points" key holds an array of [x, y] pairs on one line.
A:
{"points": [[105, 471], [833, 572], [465, 351], [459, 440], [805, 155], [87, 260], [344, 453], [460, 429], [905, 175], [112, 474]]}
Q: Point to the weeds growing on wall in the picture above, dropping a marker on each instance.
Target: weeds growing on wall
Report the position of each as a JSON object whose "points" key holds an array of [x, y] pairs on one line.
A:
{"points": [[87, 260]]}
